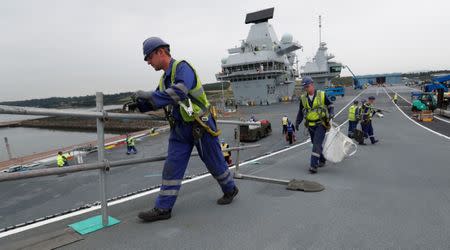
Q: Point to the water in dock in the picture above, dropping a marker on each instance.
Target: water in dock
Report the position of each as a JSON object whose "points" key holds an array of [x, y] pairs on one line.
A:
{"points": [[25, 141]]}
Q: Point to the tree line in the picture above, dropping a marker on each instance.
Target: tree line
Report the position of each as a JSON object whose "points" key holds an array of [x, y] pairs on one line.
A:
{"points": [[71, 102]]}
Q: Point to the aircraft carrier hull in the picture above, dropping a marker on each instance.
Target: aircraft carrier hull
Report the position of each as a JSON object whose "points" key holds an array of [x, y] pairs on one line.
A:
{"points": [[259, 92]]}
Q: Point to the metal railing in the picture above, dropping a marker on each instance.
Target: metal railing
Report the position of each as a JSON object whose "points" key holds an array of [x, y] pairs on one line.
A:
{"points": [[102, 165]]}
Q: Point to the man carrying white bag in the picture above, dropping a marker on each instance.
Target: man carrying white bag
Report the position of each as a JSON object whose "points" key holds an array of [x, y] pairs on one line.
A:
{"points": [[317, 110]]}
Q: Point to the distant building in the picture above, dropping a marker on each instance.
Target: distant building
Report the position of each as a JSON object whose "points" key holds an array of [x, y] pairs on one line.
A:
{"points": [[391, 78]]}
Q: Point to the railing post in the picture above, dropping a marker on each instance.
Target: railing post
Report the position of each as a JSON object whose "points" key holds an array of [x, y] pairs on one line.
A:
{"points": [[238, 144], [101, 158], [8, 149]]}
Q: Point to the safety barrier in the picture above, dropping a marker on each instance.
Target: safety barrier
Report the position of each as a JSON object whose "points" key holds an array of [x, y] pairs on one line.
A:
{"points": [[103, 165]]}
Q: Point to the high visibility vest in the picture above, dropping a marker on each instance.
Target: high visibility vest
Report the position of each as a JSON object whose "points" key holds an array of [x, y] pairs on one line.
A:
{"points": [[368, 113], [318, 111], [130, 141], [352, 116], [224, 146], [284, 120], [60, 160], [197, 92]]}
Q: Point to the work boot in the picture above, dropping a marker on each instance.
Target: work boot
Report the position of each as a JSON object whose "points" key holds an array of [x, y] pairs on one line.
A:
{"points": [[321, 164], [374, 141], [155, 214], [313, 170], [227, 198], [362, 143]]}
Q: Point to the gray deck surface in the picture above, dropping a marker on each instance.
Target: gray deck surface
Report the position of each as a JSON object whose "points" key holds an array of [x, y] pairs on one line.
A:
{"points": [[391, 195]]}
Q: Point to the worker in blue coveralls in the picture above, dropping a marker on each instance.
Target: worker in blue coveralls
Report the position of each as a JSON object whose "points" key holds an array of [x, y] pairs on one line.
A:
{"points": [[181, 95], [317, 110], [131, 142], [290, 130], [367, 112]]}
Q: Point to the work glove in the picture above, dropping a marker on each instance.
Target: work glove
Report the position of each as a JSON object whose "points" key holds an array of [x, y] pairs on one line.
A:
{"points": [[130, 106], [144, 105], [140, 94], [142, 99]]}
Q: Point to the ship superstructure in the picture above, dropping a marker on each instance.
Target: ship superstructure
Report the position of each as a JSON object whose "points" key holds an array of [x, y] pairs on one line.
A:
{"points": [[261, 70]]}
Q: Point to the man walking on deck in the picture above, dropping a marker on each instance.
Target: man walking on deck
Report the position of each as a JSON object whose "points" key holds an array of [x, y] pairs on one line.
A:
{"points": [[181, 95], [317, 110], [353, 118], [61, 160], [367, 112], [290, 130], [131, 142], [284, 123]]}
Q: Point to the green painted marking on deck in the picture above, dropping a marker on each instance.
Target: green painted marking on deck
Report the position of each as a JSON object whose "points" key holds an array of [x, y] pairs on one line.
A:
{"points": [[92, 224]]}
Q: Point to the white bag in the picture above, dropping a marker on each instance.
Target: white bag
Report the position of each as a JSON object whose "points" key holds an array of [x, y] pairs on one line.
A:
{"points": [[337, 146]]}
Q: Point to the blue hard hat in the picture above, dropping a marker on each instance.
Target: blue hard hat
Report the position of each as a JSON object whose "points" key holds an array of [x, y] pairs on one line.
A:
{"points": [[371, 97], [151, 44], [307, 81]]}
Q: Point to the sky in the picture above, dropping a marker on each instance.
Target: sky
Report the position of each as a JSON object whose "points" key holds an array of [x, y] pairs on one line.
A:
{"points": [[78, 47]]}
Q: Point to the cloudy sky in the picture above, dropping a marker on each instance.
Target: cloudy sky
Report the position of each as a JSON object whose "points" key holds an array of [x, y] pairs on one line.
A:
{"points": [[78, 47]]}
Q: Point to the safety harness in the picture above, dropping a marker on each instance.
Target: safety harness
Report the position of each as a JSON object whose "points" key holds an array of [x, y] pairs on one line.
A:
{"points": [[190, 112], [368, 114]]}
